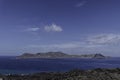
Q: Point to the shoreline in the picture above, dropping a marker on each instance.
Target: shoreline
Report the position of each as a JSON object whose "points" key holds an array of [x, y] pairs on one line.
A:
{"points": [[76, 74]]}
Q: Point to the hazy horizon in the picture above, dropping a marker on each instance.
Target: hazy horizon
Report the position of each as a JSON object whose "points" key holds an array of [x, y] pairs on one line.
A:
{"points": [[74, 26]]}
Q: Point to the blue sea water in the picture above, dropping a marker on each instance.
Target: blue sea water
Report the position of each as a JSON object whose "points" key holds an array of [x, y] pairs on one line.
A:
{"points": [[11, 65]]}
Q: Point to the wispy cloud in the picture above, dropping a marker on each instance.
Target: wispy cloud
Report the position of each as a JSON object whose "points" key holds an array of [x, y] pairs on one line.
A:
{"points": [[33, 29], [80, 4], [103, 39], [53, 28], [47, 28], [90, 42]]}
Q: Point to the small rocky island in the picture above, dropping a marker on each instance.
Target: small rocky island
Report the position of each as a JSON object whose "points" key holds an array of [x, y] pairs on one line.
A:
{"points": [[59, 55]]}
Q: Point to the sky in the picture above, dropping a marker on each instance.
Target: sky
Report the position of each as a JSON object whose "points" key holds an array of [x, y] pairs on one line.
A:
{"points": [[70, 26]]}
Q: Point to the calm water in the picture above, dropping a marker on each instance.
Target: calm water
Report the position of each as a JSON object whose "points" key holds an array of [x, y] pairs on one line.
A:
{"points": [[15, 66]]}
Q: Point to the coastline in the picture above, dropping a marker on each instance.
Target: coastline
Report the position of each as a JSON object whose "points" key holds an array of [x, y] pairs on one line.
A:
{"points": [[94, 74], [59, 55]]}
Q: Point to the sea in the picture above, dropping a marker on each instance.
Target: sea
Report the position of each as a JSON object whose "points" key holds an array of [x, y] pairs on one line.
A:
{"points": [[11, 65]]}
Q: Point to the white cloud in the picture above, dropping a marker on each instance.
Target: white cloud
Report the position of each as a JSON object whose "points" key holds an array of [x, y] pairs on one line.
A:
{"points": [[53, 28], [80, 4], [34, 29], [103, 39], [96, 43]]}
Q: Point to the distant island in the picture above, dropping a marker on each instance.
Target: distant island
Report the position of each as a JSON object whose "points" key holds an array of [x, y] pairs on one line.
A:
{"points": [[59, 55]]}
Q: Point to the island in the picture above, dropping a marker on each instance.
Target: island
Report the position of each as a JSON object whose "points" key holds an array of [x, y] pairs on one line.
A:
{"points": [[59, 55]]}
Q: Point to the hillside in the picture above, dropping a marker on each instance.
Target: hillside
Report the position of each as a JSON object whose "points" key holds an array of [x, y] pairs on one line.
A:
{"points": [[59, 55], [96, 74]]}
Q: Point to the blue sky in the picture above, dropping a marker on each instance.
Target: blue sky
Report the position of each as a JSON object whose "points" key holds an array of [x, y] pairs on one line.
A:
{"points": [[71, 26]]}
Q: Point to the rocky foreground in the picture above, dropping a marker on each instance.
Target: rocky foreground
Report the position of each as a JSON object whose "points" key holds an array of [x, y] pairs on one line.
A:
{"points": [[96, 74]]}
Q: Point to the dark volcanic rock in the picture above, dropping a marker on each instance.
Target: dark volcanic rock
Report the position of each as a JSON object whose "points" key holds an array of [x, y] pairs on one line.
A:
{"points": [[98, 56], [96, 74]]}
